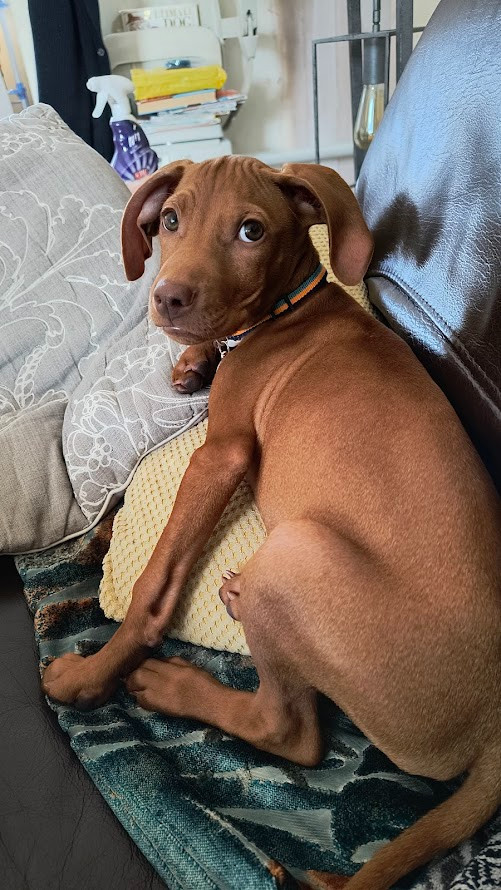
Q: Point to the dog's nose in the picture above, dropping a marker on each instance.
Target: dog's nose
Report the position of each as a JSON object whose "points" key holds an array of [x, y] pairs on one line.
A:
{"points": [[171, 298]]}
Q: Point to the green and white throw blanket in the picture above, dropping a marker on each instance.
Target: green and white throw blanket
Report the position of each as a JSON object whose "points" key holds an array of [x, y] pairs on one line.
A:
{"points": [[210, 811]]}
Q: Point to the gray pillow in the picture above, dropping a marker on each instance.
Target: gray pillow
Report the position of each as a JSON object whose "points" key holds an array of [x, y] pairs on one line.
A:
{"points": [[75, 342]]}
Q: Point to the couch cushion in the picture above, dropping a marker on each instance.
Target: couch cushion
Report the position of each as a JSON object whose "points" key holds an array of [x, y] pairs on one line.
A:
{"points": [[72, 330]]}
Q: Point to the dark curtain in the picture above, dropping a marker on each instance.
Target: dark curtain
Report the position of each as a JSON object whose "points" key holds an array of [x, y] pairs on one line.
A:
{"points": [[68, 50]]}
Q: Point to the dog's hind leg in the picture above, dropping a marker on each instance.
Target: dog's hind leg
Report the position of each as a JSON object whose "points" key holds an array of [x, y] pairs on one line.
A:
{"points": [[281, 716]]}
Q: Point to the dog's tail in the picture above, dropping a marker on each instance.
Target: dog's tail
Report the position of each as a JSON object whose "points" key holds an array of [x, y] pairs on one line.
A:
{"points": [[453, 821]]}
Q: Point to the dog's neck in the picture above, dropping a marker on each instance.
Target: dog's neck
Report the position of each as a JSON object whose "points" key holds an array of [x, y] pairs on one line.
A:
{"points": [[286, 303]]}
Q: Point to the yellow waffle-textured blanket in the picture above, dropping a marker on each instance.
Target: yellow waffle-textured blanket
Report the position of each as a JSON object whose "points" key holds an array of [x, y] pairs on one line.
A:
{"points": [[320, 237], [200, 617]]}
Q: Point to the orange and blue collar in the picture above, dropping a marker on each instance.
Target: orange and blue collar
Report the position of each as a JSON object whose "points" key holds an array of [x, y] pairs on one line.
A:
{"points": [[284, 304]]}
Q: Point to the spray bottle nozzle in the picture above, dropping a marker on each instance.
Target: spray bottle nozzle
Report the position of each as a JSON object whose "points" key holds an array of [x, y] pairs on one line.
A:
{"points": [[114, 89]]}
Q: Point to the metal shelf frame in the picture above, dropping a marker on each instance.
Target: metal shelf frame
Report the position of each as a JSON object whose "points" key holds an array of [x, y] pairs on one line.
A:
{"points": [[403, 32]]}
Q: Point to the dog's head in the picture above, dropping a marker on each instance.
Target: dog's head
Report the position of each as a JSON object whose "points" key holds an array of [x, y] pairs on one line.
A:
{"points": [[234, 237]]}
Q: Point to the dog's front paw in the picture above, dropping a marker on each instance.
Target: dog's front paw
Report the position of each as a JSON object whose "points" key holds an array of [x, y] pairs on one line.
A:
{"points": [[196, 368], [74, 680], [188, 382]]}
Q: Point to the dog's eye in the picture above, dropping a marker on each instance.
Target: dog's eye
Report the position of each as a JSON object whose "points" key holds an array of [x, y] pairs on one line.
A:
{"points": [[170, 221], [251, 230]]}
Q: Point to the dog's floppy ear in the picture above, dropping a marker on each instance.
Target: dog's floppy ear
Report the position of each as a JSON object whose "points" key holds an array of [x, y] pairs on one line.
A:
{"points": [[141, 217], [321, 196]]}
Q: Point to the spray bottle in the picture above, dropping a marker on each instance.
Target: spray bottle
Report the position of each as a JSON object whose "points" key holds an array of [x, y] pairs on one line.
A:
{"points": [[133, 158]]}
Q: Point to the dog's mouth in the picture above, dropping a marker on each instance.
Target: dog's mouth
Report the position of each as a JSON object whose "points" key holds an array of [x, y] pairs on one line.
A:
{"points": [[209, 321], [195, 327], [186, 330], [182, 335], [191, 334]]}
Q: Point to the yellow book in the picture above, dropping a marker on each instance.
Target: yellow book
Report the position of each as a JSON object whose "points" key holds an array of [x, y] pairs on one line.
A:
{"points": [[169, 81]]}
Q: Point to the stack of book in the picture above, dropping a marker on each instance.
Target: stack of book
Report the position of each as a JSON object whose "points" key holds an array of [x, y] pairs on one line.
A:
{"points": [[184, 105], [175, 88], [192, 123], [176, 102]]}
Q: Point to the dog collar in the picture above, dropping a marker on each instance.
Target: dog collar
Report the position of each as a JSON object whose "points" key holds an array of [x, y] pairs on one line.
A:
{"points": [[284, 304]]}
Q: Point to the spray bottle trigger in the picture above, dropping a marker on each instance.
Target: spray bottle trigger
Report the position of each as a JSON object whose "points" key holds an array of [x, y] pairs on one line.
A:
{"points": [[101, 100]]}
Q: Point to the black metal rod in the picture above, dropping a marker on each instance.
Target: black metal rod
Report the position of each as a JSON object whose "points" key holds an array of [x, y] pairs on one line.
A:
{"points": [[404, 29], [356, 78], [315, 103], [345, 38], [386, 69], [357, 36]]}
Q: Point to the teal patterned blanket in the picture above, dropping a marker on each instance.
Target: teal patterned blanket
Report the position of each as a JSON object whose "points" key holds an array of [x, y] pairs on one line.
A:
{"points": [[210, 811]]}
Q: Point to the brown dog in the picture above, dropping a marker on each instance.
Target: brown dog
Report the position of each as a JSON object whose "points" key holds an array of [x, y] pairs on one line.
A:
{"points": [[378, 584]]}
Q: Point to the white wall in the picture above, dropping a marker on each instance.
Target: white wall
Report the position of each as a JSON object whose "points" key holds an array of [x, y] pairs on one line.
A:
{"points": [[278, 116]]}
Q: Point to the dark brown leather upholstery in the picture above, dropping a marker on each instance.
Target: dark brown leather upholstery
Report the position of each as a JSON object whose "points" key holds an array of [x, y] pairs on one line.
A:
{"points": [[56, 831], [430, 190]]}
